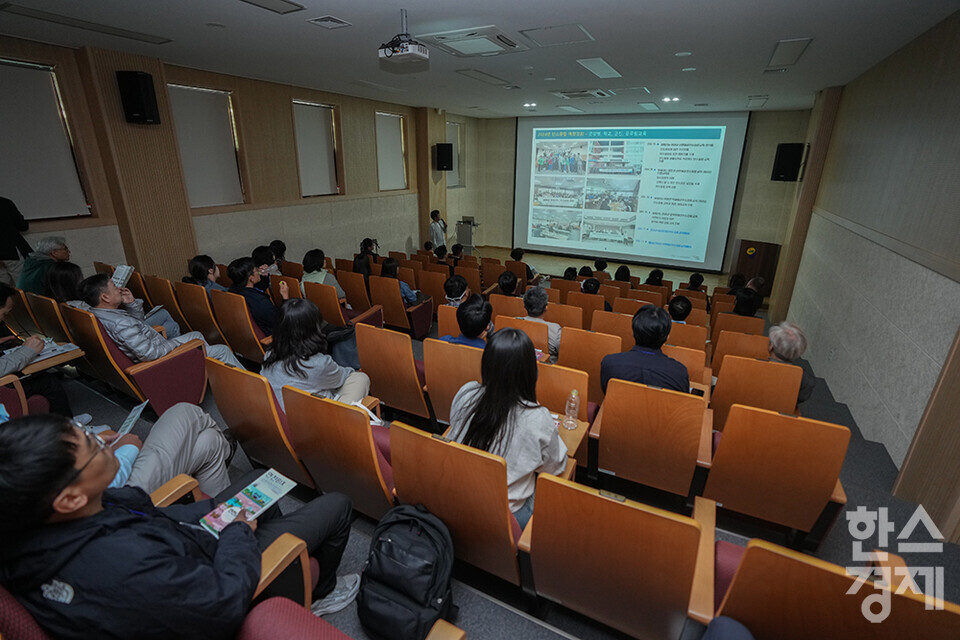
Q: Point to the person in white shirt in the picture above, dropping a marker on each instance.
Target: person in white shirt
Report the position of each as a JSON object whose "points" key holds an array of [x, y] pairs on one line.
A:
{"points": [[502, 416], [438, 229]]}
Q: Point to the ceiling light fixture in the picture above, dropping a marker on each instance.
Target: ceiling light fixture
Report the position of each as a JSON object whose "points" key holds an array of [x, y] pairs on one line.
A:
{"points": [[529, 105], [682, 54], [599, 67], [689, 69], [277, 6]]}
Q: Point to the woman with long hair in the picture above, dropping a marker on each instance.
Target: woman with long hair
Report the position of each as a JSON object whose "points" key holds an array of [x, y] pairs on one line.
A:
{"points": [[300, 357], [501, 415], [655, 278], [204, 272]]}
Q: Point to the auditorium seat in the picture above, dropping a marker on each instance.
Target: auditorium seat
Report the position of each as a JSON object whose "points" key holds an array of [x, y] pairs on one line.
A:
{"points": [[638, 569], [161, 292], [580, 349], [103, 267], [416, 319], [588, 303], [293, 288], [15, 401], [195, 304], [223, 279], [520, 269], [699, 294], [139, 290], [734, 322], [343, 266], [554, 384], [739, 344], [647, 297], [355, 287], [754, 383], [470, 273], [417, 268], [448, 367], [46, 314], [409, 276], [21, 318], [609, 293], [697, 317], [251, 412], [688, 335], [615, 324], [507, 306], [294, 269], [536, 331], [778, 468], [387, 357], [695, 361], [238, 327], [565, 315], [431, 285], [720, 306], [553, 295], [447, 321], [397, 255], [564, 287], [629, 306], [652, 436], [325, 297], [336, 444]]}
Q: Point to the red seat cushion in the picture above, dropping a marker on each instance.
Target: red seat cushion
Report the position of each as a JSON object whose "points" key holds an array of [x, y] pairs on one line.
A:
{"points": [[592, 409], [16, 622], [381, 440], [716, 442], [37, 405], [421, 372], [728, 557], [283, 618]]}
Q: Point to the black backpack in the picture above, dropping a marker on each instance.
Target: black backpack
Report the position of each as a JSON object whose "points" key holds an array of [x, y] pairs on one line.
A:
{"points": [[405, 586]]}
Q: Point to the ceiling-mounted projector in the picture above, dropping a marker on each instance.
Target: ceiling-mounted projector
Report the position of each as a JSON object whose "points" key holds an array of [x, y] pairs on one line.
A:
{"points": [[403, 48]]}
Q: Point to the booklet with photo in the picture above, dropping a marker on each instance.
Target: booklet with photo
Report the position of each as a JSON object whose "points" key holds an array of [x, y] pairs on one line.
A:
{"points": [[153, 311], [131, 420], [254, 498], [121, 275]]}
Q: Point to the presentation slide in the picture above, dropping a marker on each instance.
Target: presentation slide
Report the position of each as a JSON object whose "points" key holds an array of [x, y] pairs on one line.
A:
{"points": [[652, 189]]}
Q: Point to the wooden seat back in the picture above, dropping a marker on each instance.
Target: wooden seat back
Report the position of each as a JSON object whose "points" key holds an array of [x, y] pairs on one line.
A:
{"points": [[237, 325], [554, 384], [647, 297], [609, 293], [472, 275], [466, 488], [662, 290], [536, 331], [601, 276], [86, 333], [553, 295], [520, 269], [564, 287], [325, 297], [448, 367], [293, 287], [431, 284], [47, 314], [755, 383], [161, 292], [490, 271], [588, 303], [247, 404], [470, 260], [489, 260], [387, 357], [335, 444], [103, 267], [629, 306], [139, 290], [685, 290], [447, 324], [731, 343], [386, 292], [695, 303], [355, 288], [195, 305], [732, 322], [223, 279], [688, 335], [726, 298], [697, 317], [775, 467], [406, 274], [21, 318], [344, 265], [416, 266], [397, 255], [615, 324], [720, 306], [507, 306], [438, 267], [781, 594], [595, 568], [668, 284], [650, 435], [293, 269], [583, 350], [565, 315], [695, 360], [624, 288]]}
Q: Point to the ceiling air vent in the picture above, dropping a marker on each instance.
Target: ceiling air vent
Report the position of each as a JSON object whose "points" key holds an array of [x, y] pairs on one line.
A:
{"points": [[479, 41], [584, 93]]}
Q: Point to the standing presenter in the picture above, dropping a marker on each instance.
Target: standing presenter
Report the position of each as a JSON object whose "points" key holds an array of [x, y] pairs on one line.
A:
{"points": [[438, 229]]}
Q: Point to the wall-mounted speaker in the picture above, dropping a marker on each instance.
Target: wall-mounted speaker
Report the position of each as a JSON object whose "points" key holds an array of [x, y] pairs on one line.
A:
{"points": [[138, 97], [443, 156], [787, 163]]}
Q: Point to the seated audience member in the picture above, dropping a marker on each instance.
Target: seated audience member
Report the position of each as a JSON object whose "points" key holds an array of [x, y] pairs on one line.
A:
{"points": [[570, 273], [507, 282], [428, 246], [12, 360], [696, 280], [535, 302], [592, 286], [585, 271], [747, 303], [134, 337], [456, 253], [389, 270], [279, 249], [600, 265], [737, 281], [63, 285], [300, 357], [245, 275], [33, 274], [204, 272], [184, 440], [787, 344], [315, 271], [646, 363], [622, 274], [473, 318], [655, 278], [456, 290], [441, 253], [266, 265], [679, 309], [532, 276], [501, 415], [89, 561], [366, 257]]}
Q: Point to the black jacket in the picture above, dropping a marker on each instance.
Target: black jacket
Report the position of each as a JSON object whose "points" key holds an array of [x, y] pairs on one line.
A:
{"points": [[261, 307], [134, 571], [12, 222], [646, 366]]}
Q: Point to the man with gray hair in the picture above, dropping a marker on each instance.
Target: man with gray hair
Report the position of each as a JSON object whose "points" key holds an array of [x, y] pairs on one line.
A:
{"points": [[33, 276], [787, 344], [535, 302]]}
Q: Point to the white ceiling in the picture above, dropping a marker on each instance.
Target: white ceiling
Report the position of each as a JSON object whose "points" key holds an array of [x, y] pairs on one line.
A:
{"points": [[730, 41]]}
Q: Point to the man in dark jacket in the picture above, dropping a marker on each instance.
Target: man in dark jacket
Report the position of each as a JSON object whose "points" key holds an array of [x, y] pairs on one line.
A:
{"points": [[92, 562], [13, 247], [646, 363], [245, 275]]}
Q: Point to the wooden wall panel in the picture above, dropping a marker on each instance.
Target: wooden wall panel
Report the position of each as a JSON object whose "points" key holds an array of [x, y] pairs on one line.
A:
{"points": [[143, 168], [893, 162], [432, 185]]}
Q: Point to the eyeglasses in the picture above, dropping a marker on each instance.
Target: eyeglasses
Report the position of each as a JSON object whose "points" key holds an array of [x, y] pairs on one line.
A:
{"points": [[101, 445]]}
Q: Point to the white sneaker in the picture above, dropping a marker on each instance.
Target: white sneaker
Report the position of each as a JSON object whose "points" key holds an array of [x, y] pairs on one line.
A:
{"points": [[83, 419], [343, 594]]}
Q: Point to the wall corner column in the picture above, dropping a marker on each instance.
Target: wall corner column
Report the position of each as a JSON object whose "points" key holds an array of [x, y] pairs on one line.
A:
{"points": [[431, 184]]}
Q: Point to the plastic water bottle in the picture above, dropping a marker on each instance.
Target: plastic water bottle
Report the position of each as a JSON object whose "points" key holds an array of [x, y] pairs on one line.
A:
{"points": [[572, 410]]}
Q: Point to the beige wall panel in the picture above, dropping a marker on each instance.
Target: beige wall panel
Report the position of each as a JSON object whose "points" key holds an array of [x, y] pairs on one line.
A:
{"points": [[498, 157], [894, 160], [466, 199]]}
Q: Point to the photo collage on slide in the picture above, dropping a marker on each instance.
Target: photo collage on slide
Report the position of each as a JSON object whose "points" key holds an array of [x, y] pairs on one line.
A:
{"points": [[587, 191]]}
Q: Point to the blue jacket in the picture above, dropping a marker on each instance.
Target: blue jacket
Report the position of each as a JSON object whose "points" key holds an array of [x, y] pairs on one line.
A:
{"points": [[646, 366], [134, 571]]}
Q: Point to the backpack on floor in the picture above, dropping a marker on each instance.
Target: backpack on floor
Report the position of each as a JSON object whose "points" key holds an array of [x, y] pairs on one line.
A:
{"points": [[405, 586]]}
